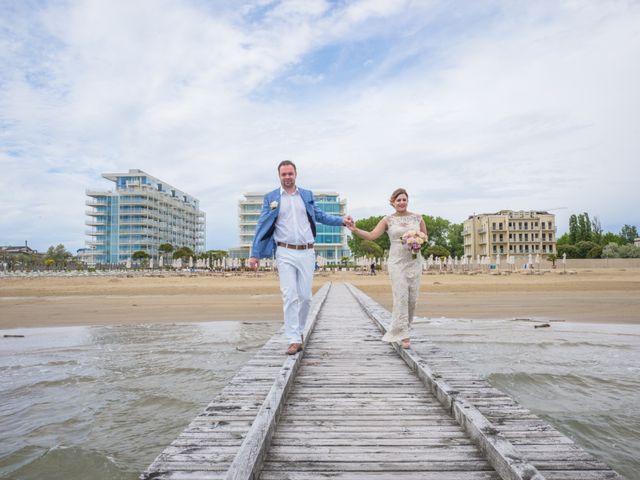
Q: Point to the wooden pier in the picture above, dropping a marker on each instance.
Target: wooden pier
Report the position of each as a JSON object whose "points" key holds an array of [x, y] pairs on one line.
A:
{"points": [[352, 407]]}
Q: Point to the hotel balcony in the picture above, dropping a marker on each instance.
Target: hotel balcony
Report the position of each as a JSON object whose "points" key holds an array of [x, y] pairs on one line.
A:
{"points": [[95, 243], [94, 213], [92, 223]]}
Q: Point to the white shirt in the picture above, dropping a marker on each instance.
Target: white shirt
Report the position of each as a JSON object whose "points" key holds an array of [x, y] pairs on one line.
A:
{"points": [[292, 225]]}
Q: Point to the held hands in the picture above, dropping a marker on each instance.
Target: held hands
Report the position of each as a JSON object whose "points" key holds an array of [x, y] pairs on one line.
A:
{"points": [[348, 222], [254, 263]]}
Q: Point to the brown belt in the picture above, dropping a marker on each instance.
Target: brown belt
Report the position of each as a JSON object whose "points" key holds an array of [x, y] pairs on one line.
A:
{"points": [[295, 247]]}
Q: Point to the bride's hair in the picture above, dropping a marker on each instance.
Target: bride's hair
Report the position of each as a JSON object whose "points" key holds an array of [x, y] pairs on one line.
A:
{"points": [[396, 192]]}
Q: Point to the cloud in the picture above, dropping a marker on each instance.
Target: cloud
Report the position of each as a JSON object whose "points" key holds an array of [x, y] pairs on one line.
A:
{"points": [[495, 105]]}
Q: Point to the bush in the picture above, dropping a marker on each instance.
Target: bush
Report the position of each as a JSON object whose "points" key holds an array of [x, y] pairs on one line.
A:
{"points": [[614, 250], [570, 250], [436, 251], [595, 252], [584, 247]]}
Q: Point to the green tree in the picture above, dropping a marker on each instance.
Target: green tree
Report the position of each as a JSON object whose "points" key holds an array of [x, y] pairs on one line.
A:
{"points": [[214, 255], [371, 249], [564, 239], [438, 229], [140, 257], [552, 257], [573, 229], [570, 250], [59, 255], [629, 233], [584, 247], [609, 237], [455, 239], [596, 231], [584, 227], [436, 251], [183, 252], [595, 252]]}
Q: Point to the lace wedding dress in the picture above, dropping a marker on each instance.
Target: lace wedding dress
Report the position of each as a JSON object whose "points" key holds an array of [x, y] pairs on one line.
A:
{"points": [[405, 273]]}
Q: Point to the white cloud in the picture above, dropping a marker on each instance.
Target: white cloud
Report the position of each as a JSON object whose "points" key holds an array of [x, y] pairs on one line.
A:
{"points": [[505, 106]]}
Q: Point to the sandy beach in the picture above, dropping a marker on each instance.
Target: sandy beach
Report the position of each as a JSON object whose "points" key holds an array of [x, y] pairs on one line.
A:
{"points": [[598, 295]]}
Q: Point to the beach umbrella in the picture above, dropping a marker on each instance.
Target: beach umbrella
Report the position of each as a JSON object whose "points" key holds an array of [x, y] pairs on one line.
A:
{"points": [[190, 262], [564, 258], [161, 262], [128, 264], [530, 259], [538, 258], [498, 259], [151, 262]]}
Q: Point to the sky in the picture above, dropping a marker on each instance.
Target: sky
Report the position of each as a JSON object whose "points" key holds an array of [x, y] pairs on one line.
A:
{"points": [[472, 106]]}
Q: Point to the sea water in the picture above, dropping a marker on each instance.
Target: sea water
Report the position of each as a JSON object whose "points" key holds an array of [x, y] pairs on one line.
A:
{"points": [[582, 378], [102, 402]]}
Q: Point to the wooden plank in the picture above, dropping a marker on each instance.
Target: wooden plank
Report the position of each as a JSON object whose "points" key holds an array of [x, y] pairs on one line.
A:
{"points": [[364, 411], [247, 462]]}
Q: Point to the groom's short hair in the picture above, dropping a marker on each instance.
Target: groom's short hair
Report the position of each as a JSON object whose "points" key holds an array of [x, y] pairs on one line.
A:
{"points": [[287, 162]]}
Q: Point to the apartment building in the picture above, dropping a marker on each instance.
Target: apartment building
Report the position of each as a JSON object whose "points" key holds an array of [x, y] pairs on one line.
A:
{"points": [[141, 213], [331, 242], [510, 232]]}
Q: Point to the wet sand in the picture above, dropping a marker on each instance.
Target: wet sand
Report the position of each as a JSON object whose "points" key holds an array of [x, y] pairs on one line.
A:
{"points": [[603, 295]]}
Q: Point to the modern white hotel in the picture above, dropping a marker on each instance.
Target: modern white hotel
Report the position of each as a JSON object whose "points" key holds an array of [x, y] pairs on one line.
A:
{"points": [[142, 213], [331, 242]]}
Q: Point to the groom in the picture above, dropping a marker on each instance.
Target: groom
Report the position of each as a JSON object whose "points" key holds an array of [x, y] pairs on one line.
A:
{"points": [[287, 224]]}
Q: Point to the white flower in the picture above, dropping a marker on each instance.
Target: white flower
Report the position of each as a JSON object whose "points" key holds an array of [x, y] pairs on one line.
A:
{"points": [[273, 205]]}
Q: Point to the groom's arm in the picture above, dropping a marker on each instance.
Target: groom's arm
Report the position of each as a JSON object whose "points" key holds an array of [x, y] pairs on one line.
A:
{"points": [[333, 220], [254, 261]]}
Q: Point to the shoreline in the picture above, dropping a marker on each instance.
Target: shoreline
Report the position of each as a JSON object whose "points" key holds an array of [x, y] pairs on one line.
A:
{"points": [[589, 296]]}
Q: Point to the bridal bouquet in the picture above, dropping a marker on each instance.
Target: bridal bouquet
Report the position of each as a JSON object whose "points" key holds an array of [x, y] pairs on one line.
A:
{"points": [[413, 241]]}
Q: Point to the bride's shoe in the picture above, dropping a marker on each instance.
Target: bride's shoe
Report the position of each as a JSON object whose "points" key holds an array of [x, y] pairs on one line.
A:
{"points": [[406, 343]]}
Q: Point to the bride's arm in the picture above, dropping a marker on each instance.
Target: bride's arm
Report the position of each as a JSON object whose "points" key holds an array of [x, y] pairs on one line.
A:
{"points": [[423, 227], [373, 234]]}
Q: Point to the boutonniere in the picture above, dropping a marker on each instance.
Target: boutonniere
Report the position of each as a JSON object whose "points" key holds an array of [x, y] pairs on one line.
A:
{"points": [[273, 205]]}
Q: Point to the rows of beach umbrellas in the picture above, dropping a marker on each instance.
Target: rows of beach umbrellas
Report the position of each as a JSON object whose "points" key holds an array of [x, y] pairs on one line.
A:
{"points": [[462, 264], [449, 264]]}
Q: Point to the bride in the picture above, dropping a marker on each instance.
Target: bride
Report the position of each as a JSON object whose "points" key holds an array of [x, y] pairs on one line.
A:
{"points": [[405, 267]]}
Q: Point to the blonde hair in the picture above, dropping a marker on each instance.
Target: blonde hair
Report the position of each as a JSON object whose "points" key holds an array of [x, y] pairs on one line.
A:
{"points": [[397, 192]]}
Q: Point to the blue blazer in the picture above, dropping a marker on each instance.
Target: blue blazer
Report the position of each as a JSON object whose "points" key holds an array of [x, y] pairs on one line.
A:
{"points": [[263, 243]]}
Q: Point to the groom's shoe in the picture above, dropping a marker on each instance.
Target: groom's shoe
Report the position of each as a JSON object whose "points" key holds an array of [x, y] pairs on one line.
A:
{"points": [[294, 348]]}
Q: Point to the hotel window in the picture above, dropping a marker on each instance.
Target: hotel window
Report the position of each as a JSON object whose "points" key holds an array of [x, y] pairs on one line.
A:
{"points": [[493, 226], [494, 237], [544, 236], [543, 225], [551, 237], [500, 225], [501, 238], [495, 249]]}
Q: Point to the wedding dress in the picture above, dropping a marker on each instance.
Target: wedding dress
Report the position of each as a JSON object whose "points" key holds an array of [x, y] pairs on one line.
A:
{"points": [[405, 273]]}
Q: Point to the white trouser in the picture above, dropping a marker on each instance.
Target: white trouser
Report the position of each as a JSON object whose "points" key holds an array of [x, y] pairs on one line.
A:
{"points": [[295, 269]]}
